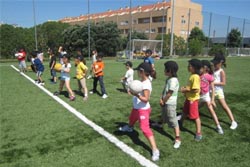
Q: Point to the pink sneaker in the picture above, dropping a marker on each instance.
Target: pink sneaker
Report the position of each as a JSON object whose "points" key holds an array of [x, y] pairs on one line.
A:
{"points": [[72, 98]]}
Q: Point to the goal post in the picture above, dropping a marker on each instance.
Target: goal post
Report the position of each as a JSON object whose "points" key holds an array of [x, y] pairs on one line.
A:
{"points": [[139, 47]]}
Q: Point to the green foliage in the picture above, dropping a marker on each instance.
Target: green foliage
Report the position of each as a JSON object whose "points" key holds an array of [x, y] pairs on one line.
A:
{"points": [[138, 35], [179, 44], [195, 47], [217, 49], [197, 33], [234, 38], [105, 37]]}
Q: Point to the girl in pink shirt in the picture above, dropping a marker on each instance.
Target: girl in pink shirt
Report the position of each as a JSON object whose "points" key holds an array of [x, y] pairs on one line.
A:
{"points": [[207, 83]]}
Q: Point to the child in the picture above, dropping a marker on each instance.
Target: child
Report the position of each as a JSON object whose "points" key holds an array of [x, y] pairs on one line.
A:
{"points": [[219, 82], [21, 55], [168, 100], [192, 94], [39, 68], [207, 81], [65, 77], [141, 109], [98, 68], [94, 55], [51, 66], [129, 76], [148, 59], [81, 71]]}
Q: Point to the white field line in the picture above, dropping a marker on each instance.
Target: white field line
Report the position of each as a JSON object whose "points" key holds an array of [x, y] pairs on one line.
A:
{"points": [[125, 148]]}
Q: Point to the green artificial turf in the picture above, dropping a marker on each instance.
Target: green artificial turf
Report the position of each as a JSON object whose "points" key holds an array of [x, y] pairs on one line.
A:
{"points": [[37, 131]]}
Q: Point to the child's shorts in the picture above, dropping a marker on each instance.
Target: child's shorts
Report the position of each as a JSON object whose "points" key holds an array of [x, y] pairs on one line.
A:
{"points": [[65, 78], [169, 115], [39, 73], [53, 72], [205, 97], [219, 94], [191, 109], [22, 64]]}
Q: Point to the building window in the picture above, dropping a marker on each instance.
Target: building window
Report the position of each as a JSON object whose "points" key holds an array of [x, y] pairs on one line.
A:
{"points": [[125, 31], [183, 21], [197, 23], [144, 20], [162, 29], [124, 23], [153, 30], [159, 19], [146, 31], [134, 21], [169, 19]]}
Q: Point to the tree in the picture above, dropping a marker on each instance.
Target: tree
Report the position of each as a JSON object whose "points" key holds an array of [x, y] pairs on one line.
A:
{"points": [[105, 37], [234, 38], [195, 47], [198, 34], [179, 44], [217, 49], [138, 35]]}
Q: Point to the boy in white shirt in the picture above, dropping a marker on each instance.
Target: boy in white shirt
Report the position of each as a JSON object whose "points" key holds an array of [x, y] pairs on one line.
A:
{"points": [[128, 77]]}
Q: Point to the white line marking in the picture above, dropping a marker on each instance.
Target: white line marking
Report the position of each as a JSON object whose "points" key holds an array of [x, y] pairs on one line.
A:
{"points": [[125, 148]]}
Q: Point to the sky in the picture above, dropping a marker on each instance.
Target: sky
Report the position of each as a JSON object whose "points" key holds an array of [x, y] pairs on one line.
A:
{"points": [[20, 12]]}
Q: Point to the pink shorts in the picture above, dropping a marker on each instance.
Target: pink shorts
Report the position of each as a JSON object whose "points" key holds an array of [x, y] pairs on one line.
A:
{"points": [[191, 109], [143, 117]]}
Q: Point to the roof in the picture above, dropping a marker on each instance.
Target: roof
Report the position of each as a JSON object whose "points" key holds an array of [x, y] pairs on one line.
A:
{"points": [[121, 11]]}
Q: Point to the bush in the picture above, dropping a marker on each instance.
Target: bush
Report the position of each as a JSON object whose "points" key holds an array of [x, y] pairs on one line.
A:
{"points": [[195, 47], [217, 49]]}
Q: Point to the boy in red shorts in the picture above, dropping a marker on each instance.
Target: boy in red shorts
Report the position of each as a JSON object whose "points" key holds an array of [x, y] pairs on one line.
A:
{"points": [[192, 94]]}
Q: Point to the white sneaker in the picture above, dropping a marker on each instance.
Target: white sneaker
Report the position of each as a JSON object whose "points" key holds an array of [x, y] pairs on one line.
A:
{"points": [[233, 125], [89, 77], [104, 96], [178, 117], [177, 144], [156, 155], [219, 130], [126, 128]]}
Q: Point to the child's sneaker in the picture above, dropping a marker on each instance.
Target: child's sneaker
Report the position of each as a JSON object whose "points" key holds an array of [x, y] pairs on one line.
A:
{"points": [[72, 98], [233, 125], [89, 77], [177, 144], [198, 137], [104, 96], [155, 155], [219, 130], [56, 93], [126, 128]]}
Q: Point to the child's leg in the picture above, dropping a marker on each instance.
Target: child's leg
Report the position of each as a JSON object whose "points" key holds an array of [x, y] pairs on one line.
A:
{"points": [[212, 112], [134, 116], [67, 84], [100, 78], [226, 108], [84, 87], [95, 83], [62, 82], [198, 125], [80, 86]]}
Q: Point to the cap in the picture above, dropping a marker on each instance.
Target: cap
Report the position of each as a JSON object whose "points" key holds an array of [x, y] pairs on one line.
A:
{"points": [[144, 67], [128, 63]]}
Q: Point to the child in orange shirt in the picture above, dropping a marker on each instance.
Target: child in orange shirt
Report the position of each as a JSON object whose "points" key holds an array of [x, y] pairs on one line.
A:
{"points": [[98, 68]]}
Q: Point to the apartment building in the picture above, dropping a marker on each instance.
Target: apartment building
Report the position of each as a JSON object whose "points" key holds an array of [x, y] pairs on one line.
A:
{"points": [[151, 19]]}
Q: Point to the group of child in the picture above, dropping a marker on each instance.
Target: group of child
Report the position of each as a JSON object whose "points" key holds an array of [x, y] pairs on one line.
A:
{"points": [[204, 85]]}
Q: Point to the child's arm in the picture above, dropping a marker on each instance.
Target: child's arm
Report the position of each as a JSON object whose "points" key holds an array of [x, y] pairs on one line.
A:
{"points": [[222, 78], [187, 89], [213, 94], [53, 63], [165, 99], [144, 98]]}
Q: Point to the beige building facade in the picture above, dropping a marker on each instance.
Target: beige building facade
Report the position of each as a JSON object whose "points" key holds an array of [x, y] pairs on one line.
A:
{"points": [[150, 19]]}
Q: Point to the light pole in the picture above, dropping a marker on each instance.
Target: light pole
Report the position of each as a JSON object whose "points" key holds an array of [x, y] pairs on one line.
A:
{"points": [[34, 18], [130, 31], [88, 32], [172, 29]]}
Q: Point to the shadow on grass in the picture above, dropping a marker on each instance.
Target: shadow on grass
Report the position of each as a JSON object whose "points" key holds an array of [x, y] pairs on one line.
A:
{"points": [[121, 90], [134, 136], [209, 117], [160, 130]]}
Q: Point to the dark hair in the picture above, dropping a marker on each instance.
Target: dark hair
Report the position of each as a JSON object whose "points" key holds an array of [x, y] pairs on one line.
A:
{"points": [[207, 64], [149, 51], [34, 54], [172, 67], [219, 58], [196, 64]]}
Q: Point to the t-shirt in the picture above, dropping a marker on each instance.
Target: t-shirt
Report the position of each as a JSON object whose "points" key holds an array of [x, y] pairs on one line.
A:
{"points": [[21, 56], [137, 103], [39, 65], [81, 70], [149, 60], [217, 78], [53, 59], [98, 66], [93, 58], [129, 75], [193, 83], [65, 74], [206, 80], [171, 84]]}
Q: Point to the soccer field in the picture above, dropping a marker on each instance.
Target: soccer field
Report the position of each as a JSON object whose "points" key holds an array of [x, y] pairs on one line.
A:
{"points": [[35, 130]]}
